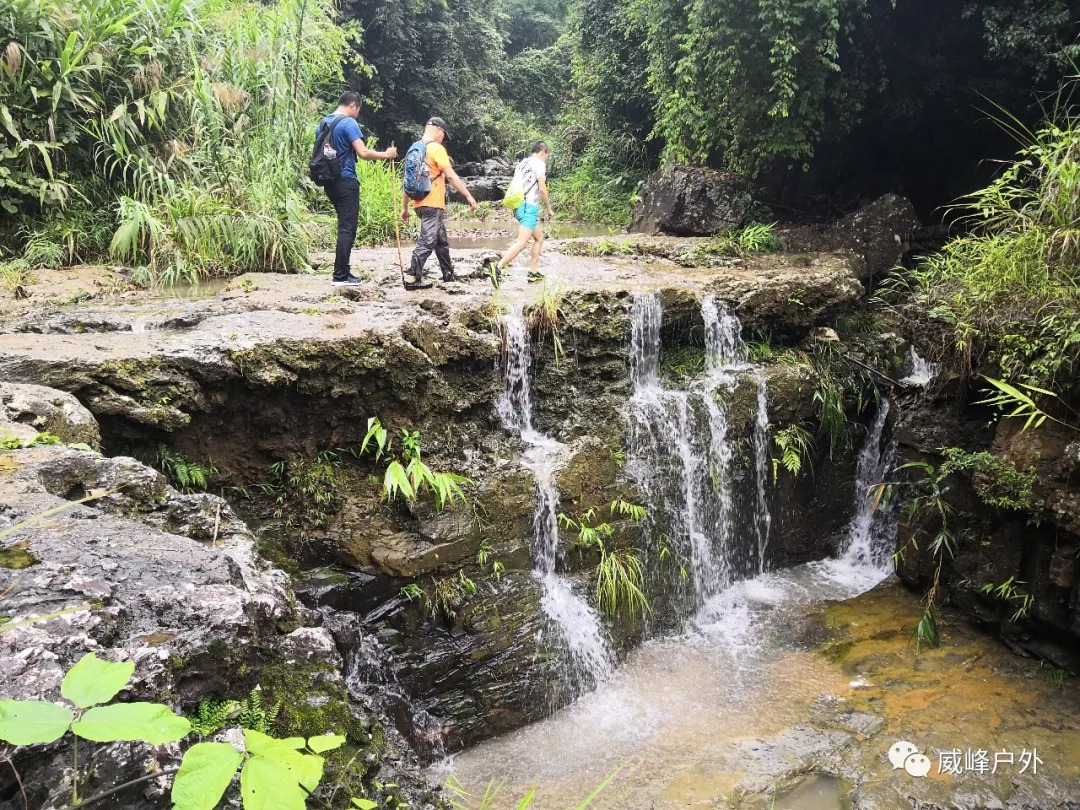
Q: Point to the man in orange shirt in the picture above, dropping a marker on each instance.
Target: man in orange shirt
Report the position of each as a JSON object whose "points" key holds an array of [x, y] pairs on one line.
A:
{"points": [[432, 208]]}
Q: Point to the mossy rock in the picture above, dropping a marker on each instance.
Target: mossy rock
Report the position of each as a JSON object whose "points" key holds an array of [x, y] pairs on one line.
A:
{"points": [[313, 700]]}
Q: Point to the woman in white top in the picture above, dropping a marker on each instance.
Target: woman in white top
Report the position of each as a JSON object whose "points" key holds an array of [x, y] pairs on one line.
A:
{"points": [[534, 171]]}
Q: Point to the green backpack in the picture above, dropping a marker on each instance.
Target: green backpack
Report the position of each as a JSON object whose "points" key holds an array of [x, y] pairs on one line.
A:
{"points": [[515, 192]]}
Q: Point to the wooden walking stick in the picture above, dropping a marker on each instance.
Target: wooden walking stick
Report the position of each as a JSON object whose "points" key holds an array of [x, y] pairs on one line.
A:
{"points": [[397, 227]]}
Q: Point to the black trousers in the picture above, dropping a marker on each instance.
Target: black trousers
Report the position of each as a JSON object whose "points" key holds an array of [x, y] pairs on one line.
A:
{"points": [[432, 238], [344, 193]]}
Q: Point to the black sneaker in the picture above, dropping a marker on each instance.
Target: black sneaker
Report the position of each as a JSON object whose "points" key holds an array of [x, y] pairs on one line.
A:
{"points": [[417, 283], [535, 276], [351, 280], [450, 277]]}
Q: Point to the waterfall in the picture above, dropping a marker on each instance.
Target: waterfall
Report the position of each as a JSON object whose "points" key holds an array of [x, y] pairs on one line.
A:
{"points": [[872, 533], [922, 370], [578, 624], [723, 337], [680, 452], [762, 517]]}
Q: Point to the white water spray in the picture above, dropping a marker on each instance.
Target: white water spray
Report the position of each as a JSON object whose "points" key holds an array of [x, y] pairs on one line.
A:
{"points": [[922, 370], [680, 452], [872, 533]]}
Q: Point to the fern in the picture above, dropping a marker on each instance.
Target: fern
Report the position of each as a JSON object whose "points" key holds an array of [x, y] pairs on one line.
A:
{"points": [[253, 716], [796, 444], [213, 715]]}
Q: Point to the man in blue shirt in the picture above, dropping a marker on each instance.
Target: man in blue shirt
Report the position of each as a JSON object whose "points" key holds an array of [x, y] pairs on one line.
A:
{"points": [[344, 192]]}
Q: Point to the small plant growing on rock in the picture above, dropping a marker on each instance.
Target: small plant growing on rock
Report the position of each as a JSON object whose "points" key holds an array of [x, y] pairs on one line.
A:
{"points": [[277, 773], [189, 476], [409, 476], [86, 687], [620, 575], [795, 444], [544, 316]]}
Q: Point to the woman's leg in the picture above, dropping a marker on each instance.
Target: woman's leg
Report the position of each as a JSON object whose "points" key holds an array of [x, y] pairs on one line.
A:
{"points": [[538, 243], [524, 235]]}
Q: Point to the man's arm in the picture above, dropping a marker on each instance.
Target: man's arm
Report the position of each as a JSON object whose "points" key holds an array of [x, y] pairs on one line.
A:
{"points": [[364, 153], [459, 184], [542, 183], [405, 207]]}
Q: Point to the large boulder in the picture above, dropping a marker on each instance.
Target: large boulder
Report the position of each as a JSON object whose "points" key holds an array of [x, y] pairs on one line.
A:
{"points": [[487, 168], [37, 409], [879, 232], [689, 201], [485, 189]]}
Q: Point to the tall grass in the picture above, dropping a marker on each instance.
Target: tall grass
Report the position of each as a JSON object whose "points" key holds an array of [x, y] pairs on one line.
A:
{"points": [[1009, 290], [380, 201], [182, 124], [598, 185]]}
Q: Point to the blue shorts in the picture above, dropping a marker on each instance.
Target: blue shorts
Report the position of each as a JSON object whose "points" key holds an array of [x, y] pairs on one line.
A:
{"points": [[528, 216]]}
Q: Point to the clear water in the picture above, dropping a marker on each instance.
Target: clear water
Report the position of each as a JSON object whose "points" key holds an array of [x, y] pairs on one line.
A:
{"points": [[683, 716]]}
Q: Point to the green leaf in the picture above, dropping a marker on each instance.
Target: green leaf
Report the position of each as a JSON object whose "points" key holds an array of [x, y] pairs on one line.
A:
{"points": [[205, 773], [28, 722], [92, 681], [149, 722], [325, 742], [365, 804], [599, 789], [266, 785], [306, 769]]}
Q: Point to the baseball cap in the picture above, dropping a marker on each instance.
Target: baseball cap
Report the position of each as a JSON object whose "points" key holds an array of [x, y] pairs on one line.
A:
{"points": [[435, 121]]}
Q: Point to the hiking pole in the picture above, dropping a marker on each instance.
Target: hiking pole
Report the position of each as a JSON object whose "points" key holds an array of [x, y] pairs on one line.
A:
{"points": [[397, 227]]}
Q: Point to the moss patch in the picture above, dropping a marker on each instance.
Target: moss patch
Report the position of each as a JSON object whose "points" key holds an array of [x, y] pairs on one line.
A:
{"points": [[312, 702], [17, 556]]}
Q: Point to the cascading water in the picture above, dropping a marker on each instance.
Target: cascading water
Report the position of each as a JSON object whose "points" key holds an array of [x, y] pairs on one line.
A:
{"points": [[872, 533], [922, 370], [591, 658], [762, 517], [680, 452]]}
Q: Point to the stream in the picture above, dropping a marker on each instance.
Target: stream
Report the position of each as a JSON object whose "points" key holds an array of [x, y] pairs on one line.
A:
{"points": [[675, 715]]}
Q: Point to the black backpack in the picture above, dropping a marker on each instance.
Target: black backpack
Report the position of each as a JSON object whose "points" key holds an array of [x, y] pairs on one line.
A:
{"points": [[325, 166]]}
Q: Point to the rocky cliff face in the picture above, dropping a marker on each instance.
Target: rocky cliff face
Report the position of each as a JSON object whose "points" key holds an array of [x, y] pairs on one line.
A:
{"points": [[285, 371], [1034, 549]]}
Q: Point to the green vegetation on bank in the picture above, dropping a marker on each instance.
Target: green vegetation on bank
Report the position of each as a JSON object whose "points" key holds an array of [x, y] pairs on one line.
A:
{"points": [[171, 137], [1006, 296]]}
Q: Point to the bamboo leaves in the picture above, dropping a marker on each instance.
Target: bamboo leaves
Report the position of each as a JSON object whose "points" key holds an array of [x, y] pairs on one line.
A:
{"points": [[409, 476], [1003, 395]]}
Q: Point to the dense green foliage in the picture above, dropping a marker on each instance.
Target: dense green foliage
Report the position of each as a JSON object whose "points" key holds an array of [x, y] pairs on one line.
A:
{"points": [[1008, 292], [496, 72], [186, 123], [769, 86], [170, 135]]}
